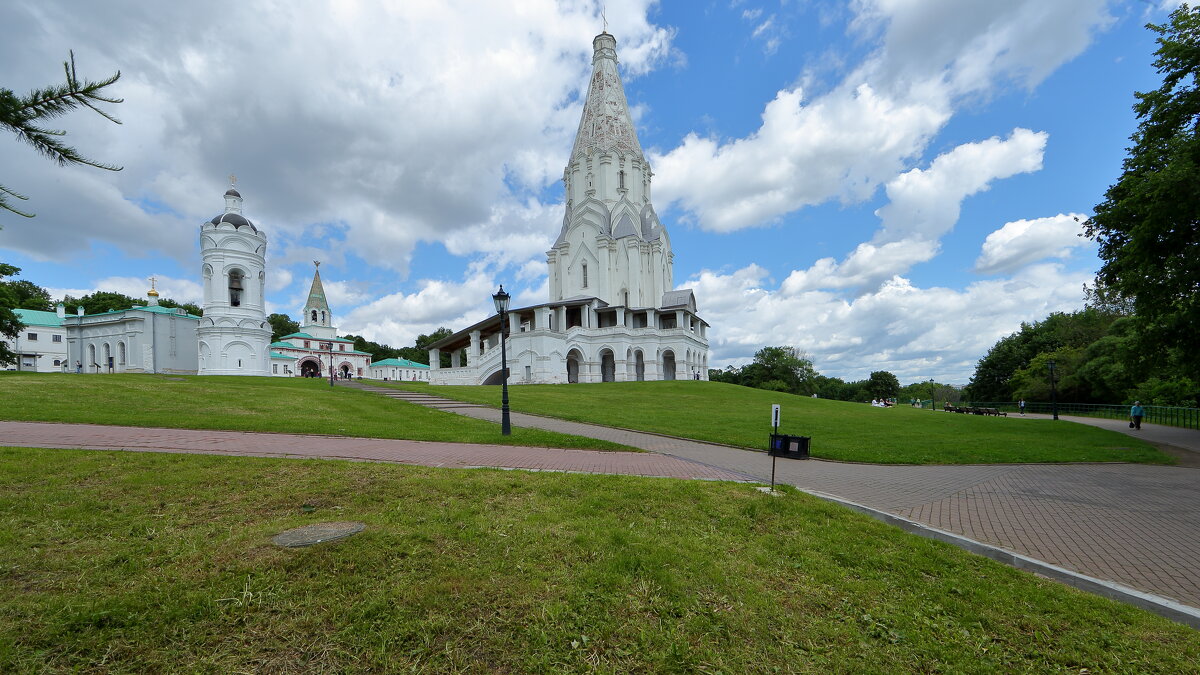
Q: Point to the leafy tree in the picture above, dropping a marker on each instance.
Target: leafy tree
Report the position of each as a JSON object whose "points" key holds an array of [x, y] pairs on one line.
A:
{"points": [[189, 307], [1033, 381], [883, 384], [27, 295], [377, 351], [281, 325], [992, 380], [419, 352], [780, 369], [1148, 226], [23, 116], [1176, 391], [100, 302], [1107, 300], [10, 325]]}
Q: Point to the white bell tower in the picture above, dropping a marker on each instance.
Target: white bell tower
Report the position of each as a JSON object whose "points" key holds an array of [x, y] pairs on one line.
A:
{"points": [[233, 335]]}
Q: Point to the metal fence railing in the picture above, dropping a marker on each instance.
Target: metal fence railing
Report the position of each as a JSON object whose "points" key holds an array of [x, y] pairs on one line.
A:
{"points": [[1188, 418]]}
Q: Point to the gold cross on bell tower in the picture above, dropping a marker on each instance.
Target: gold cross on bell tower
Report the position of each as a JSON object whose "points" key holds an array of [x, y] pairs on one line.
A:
{"points": [[232, 180]]}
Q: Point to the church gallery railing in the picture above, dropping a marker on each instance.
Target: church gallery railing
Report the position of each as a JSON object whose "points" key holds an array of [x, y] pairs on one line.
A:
{"points": [[1188, 418]]}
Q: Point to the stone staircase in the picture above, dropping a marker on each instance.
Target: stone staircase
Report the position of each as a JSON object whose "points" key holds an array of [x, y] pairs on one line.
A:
{"points": [[419, 398]]}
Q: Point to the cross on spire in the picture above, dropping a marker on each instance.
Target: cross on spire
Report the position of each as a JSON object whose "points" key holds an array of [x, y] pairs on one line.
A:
{"points": [[603, 17], [232, 180]]}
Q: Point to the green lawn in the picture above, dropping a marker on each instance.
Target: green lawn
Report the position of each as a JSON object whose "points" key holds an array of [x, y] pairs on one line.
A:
{"points": [[726, 413], [133, 562], [286, 405]]}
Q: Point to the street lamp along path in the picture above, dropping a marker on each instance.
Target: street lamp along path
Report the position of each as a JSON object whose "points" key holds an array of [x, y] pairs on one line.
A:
{"points": [[501, 299]]}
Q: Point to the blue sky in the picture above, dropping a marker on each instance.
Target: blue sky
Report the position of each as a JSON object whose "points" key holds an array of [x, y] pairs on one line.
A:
{"points": [[885, 185]]}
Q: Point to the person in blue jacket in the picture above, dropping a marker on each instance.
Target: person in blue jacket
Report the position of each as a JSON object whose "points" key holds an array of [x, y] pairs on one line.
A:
{"points": [[1136, 414]]}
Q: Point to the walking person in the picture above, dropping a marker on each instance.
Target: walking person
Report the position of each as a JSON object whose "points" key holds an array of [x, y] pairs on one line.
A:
{"points": [[1021, 405], [1136, 414]]}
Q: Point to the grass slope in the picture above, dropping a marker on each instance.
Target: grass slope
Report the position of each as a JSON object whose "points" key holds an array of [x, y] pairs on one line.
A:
{"points": [[726, 413], [131, 562], [284, 405]]}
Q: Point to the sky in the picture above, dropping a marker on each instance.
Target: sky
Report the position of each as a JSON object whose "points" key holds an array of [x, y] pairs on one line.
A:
{"points": [[883, 184]]}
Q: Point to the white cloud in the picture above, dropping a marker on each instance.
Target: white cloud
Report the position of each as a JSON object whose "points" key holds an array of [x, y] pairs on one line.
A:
{"points": [[409, 123], [1023, 242], [179, 290], [926, 202], [839, 146], [865, 130], [916, 333], [398, 319]]}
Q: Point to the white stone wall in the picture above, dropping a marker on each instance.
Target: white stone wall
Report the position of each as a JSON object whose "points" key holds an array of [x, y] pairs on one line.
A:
{"points": [[135, 341], [540, 356]]}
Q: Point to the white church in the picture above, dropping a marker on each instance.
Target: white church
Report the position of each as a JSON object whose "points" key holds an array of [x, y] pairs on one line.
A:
{"points": [[612, 313], [234, 336]]}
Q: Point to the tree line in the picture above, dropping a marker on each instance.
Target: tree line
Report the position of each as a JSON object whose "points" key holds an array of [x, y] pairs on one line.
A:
{"points": [[1099, 357], [789, 369]]}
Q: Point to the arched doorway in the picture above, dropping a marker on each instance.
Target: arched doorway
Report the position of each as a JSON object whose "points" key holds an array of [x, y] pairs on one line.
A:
{"points": [[574, 358], [668, 361], [639, 366], [608, 366], [310, 368], [344, 370]]}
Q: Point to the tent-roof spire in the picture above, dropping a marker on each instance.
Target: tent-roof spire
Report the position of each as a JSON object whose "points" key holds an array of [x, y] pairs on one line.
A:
{"points": [[316, 293], [606, 125]]}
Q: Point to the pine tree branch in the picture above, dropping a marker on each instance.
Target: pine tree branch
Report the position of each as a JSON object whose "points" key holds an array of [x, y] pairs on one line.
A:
{"points": [[4, 194], [21, 114]]}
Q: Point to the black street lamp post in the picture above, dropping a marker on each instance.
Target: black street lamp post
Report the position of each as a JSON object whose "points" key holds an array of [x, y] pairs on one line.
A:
{"points": [[501, 299], [1053, 389], [329, 346]]}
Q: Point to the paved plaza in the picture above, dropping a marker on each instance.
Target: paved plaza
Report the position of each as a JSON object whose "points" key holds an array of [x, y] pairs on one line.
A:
{"points": [[1136, 525]]}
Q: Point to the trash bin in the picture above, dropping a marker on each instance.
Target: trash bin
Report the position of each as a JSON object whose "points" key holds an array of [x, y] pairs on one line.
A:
{"points": [[789, 447]]}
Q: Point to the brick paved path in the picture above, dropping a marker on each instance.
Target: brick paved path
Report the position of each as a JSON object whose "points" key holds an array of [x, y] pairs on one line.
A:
{"points": [[457, 455], [1134, 524]]}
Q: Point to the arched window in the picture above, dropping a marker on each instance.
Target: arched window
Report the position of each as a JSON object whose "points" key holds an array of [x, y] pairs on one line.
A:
{"points": [[322, 318], [314, 315], [621, 179], [585, 275], [235, 288], [121, 353]]}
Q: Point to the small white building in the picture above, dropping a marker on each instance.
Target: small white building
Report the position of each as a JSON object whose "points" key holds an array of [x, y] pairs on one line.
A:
{"points": [[41, 345], [150, 339], [399, 370], [316, 348], [613, 313]]}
